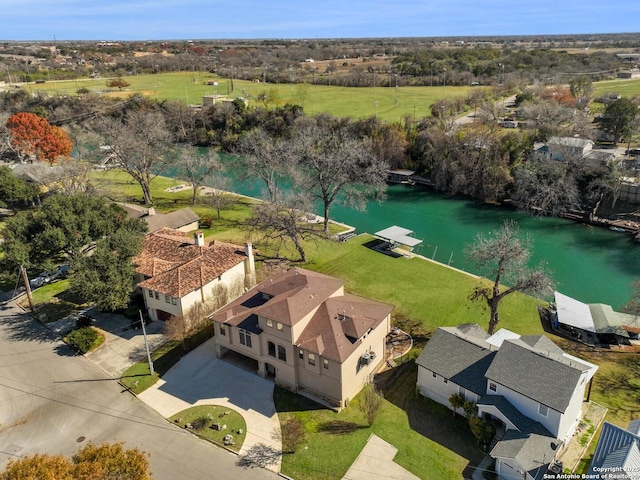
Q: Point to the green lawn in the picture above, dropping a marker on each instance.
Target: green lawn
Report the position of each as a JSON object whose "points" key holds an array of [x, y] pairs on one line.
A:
{"points": [[54, 300], [358, 102], [624, 86], [430, 442], [202, 418]]}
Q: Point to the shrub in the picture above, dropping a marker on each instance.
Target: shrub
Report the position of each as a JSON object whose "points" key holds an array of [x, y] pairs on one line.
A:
{"points": [[370, 402], [200, 423], [481, 429], [84, 339], [293, 435]]}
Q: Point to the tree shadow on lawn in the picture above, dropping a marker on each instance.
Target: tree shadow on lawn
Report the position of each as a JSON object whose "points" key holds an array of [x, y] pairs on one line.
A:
{"points": [[432, 420], [338, 427]]}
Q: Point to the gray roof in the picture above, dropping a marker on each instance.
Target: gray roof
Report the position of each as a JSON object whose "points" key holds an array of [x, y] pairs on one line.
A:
{"points": [[532, 451], [617, 449], [461, 358], [157, 221], [521, 421], [540, 375]]}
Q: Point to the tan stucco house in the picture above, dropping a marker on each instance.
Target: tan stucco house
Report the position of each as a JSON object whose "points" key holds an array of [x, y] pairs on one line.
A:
{"points": [[177, 270], [302, 329]]}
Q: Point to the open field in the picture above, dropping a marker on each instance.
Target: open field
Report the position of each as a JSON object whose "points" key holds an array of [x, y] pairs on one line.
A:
{"points": [[189, 87], [624, 86]]}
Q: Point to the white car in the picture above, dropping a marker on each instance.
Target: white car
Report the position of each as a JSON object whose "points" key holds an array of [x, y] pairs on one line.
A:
{"points": [[37, 282]]}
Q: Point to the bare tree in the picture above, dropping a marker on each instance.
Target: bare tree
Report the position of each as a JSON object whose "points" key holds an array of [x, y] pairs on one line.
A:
{"points": [[266, 157], [284, 222], [180, 328], [197, 166], [219, 196], [292, 435], [140, 143], [336, 167], [370, 402], [505, 254], [544, 188]]}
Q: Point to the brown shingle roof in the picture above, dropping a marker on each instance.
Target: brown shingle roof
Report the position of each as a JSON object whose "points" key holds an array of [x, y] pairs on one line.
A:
{"points": [[338, 320], [158, 221], [176, 266]]}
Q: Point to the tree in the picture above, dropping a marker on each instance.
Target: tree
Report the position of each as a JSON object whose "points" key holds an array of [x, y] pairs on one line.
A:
{"points": [[181, 327], [266, 157], [141, 143], [457, 401], [63, 228], [292, 434], [118, 83], [370, 402], [285, 221], [218, 196], [33, 135], [105, 277], [197, 167], [107, 461], [481, 429], [13, 190], [336, 167], [544, 188], [619, 119], [505, 255]]}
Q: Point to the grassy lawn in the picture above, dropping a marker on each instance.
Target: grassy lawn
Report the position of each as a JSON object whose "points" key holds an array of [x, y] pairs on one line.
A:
{"points": [[357, 102], [430, 442], [54, 300], [203, 417], [626, 87]]}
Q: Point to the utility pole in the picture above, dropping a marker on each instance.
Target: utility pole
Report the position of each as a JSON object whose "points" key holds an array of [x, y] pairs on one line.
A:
{"points": [[27, 287], [146, 343]]}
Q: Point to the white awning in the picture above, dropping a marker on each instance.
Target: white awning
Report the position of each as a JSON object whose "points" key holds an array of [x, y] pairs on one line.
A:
{"points": [[574, 313], [399, 235]]}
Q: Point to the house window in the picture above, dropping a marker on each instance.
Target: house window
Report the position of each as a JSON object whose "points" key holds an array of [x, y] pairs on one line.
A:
{"points": [[223, 330], [543, 410], [434, 374], [271, 348], [445, 380], [167, 298], [493, 387], [282, 353], [269, 322], [150, 293], [245, 338], [301, 354], [311, 358], [174, 301], [220, 278], [157, 295], [279, 326], [325, 363]]}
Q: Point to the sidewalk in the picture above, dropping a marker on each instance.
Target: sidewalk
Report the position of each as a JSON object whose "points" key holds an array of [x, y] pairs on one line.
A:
{"points": [[376, 461]]}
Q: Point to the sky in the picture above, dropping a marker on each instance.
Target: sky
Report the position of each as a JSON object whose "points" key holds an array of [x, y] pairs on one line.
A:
{"points": [[47, 20]]}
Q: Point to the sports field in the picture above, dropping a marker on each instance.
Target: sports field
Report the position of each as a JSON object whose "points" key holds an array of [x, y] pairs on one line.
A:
{"points": [[388, 103]]}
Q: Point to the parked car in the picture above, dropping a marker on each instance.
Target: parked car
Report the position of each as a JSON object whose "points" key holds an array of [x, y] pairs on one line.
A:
{"points": [[633, 151], [63, 270], [37, 282]]}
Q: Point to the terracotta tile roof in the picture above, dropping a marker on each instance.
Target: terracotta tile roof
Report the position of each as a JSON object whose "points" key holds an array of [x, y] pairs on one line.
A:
{"points": [[176, 266], [338, 320]]}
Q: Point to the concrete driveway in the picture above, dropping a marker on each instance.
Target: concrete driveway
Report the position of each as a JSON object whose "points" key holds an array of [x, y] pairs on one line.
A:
{"points": [[199, 378]]}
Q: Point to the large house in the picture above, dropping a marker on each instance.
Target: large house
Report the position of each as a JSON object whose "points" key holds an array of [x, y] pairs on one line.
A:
{"points": [[618, 453], [525, 385], [302, 329], [177, 270]]}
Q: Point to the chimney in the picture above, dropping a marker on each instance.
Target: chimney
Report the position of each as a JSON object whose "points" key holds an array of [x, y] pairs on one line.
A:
{"points": [[198, 237], [249, 266], [151, 211]]}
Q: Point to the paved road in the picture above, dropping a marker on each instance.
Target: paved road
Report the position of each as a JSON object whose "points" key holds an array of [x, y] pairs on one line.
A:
{"points": [[53, 401]]}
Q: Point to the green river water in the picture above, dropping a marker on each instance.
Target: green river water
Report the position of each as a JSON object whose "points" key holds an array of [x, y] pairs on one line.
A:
{"points": [[593, 265]]}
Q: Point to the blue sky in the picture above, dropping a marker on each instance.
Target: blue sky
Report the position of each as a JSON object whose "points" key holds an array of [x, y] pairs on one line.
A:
{"points": [[196, 19]]}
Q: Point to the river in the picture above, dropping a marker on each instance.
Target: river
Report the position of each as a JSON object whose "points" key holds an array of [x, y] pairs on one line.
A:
{"points": [[593, 265]]}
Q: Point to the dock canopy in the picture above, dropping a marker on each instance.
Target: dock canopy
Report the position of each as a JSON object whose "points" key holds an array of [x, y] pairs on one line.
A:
{"points": [[398, 235]]}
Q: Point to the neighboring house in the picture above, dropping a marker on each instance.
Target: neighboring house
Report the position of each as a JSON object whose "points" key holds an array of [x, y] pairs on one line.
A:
{"points": [[593, 323], [302, 329], [177, 271], [185, 219], [566, 149], [525, 385], [617, 454]]}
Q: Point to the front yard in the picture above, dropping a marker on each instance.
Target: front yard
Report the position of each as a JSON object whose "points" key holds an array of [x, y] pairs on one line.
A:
{"points": [[431, 443]]}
